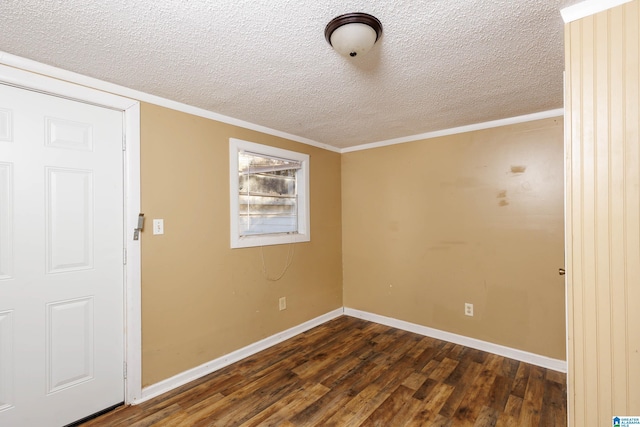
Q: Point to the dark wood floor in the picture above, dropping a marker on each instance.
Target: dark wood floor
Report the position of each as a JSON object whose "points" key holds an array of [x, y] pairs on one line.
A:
{"points": [[350, 372]]}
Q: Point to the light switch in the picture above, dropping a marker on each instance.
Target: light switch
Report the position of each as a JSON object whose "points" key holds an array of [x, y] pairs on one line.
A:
{"points": [[158, 226]]}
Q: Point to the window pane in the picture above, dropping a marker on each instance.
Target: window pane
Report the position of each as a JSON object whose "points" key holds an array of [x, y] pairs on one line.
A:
{"points": [[255, 163], [254, 225], [267, 197], [268, 184]]}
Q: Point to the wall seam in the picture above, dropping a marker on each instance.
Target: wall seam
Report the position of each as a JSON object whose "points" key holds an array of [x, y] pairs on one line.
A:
{"points": [[610, 223], [596, 213], [625, 203], [582, 217]]}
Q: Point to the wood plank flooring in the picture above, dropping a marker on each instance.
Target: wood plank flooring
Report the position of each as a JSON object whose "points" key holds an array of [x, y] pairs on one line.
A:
{"points": [[350, 372]]}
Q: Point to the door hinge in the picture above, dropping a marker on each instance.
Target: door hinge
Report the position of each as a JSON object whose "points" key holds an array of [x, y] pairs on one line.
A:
{"points": [[124, 144], [124, 369], [124, 256]]}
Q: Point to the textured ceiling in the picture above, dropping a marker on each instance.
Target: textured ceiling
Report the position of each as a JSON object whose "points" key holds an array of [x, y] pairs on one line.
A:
{"points": [[439, 63]]}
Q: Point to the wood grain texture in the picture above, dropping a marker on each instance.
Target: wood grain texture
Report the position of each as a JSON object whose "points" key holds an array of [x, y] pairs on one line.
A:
{"points": [[351, 372], [602, 134]]}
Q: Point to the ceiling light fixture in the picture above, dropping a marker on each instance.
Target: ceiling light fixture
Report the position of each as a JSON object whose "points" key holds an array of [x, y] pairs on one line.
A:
{"points": [[353, 34]]}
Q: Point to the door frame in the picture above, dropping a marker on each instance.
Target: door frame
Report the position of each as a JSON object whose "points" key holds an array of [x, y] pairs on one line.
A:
{"points": [[21, 73]]}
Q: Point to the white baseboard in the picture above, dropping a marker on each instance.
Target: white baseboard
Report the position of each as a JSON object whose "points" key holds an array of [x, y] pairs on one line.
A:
{"points": [[512, 353], [219, 363]]}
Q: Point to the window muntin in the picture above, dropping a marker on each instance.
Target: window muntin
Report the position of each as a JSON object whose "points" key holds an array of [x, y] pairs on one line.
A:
{"points": [[269, 195]]}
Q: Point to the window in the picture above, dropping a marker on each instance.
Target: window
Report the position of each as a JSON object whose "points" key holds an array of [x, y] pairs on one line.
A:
{"points": [[269, 195]]}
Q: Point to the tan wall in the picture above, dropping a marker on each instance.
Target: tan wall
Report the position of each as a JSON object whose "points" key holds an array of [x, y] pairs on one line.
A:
{"points": [[603, 215], [475, 217], [200, 299]]}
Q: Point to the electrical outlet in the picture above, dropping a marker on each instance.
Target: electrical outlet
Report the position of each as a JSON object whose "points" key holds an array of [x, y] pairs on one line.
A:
{"points": [[468, 309], [282, 303]]}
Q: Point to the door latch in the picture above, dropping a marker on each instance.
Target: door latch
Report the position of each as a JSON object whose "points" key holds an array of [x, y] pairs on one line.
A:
{"points": [[137, 230]]}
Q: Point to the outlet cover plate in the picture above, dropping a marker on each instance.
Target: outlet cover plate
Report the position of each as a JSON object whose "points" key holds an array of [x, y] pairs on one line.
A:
{"points": [[468, 309]]}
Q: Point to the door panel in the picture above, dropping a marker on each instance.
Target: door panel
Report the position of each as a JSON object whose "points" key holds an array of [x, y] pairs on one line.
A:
{"points": [[6, 209], [6, 124], [69, 343], [69, 220], [6, 360], [61, 259]]}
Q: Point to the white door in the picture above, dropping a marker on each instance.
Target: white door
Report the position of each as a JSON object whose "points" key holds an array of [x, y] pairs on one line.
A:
{"points": [[61, 259]]}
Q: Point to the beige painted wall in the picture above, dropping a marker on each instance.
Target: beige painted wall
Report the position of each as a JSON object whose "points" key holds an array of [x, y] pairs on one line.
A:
{"points": [[201, 299], [603, 215], [475, 217]]}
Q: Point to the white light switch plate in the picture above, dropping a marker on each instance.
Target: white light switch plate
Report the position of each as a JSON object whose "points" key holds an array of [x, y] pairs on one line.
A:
{"points": [[158, 226]]}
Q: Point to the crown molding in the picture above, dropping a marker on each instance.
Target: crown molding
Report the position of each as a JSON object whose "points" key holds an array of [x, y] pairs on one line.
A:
{"points": [[69, 76], [588, 8], [461, 129]]}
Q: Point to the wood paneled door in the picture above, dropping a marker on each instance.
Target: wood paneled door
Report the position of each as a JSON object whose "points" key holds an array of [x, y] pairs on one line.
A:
{"points": [[61, 259]]}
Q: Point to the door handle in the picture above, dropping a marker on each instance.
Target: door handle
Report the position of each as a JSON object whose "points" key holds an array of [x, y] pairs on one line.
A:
{"points": [[136, 231], [561, 271]]}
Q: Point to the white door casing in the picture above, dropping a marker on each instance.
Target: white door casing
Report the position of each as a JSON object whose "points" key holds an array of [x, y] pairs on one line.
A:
{"points": [[68, 248]]}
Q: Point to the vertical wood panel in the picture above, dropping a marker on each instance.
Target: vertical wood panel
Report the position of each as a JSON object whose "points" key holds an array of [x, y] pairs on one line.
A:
{"points": [[603, 160], [587, 211], [615, 113], [603, 215], [632, 120], [575, 349]]}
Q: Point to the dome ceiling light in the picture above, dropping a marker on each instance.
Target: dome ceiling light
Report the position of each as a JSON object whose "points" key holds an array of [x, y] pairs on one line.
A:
{"points": [[353, 34]]}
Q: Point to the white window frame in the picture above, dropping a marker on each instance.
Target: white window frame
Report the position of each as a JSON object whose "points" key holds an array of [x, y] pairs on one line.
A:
{"points": [[304, 233]]}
